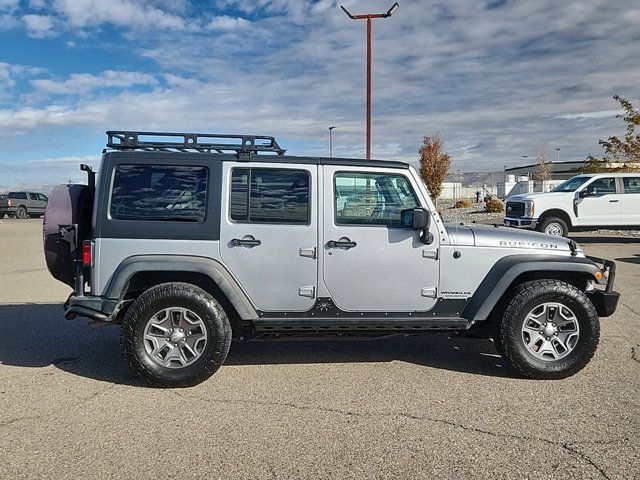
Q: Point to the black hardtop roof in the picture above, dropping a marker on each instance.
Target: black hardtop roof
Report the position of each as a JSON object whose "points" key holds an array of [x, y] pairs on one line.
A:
{"points": [[163, 156]]}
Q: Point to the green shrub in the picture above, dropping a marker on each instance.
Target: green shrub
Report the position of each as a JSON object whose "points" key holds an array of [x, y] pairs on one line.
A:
{"points": [[493, 205], [464, 203]]}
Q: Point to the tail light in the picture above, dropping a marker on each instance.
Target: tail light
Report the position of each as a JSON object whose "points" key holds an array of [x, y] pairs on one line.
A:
{"points": [[87, 253], [9, 203]]}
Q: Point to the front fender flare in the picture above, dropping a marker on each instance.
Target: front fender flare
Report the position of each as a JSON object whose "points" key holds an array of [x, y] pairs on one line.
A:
{"points": [[507, 269]]}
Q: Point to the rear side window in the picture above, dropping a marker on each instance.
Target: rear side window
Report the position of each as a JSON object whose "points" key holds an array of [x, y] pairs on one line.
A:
{"points": [[159, 193], [631, 184], [33, 196], [268, 195], [18, 195]]}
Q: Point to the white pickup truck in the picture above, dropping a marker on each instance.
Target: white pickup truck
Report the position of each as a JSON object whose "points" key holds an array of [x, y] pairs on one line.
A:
{"points": [[584, 202]]}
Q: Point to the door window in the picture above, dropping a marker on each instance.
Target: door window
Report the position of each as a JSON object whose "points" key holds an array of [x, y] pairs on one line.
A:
{"points": [[33, 196], [42, 198], [270, 195], [371, 199], [602, 186], [631, 184]]}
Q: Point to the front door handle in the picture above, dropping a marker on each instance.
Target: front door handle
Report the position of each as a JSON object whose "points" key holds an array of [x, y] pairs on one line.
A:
{"points": [[242, 242], [347, 244], [614, 201]]}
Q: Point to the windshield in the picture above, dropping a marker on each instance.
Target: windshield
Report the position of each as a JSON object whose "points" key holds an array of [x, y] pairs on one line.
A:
{"points": [[572, 184]]}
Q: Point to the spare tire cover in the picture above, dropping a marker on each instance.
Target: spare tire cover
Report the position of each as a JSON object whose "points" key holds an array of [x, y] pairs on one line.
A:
{"points": [[68, 205]]}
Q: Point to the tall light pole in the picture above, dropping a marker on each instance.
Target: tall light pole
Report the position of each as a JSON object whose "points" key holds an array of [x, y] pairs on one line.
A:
{"points": [[368, 17], [331, 142], [558, 151]]}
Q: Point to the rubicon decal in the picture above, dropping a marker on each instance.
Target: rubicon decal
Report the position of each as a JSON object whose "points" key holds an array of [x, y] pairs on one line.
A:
{"points": [[506, 243]]}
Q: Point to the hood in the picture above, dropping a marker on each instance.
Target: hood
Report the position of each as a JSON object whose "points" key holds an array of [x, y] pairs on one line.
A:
{"points": [[504, 237], [534, 196]]}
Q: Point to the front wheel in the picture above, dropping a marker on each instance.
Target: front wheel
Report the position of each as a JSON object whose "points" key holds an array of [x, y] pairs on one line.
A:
{"points": [[553, 226], [549, 330], [175, 335]]}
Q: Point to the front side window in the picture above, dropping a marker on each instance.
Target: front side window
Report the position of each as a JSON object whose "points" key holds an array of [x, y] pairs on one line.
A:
{"points": [[42, 197], [631, 184], [269, 195], [371, 199], [159, 193], [602, 186]]}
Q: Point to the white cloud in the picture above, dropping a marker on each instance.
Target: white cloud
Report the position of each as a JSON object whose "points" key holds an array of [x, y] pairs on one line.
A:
{"points": [[8, 5], [39, 26], [589, 115], [224, 22], [121, 13], [79, 83]]}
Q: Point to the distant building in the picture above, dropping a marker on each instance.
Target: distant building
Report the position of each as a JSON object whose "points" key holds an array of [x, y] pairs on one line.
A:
{"points": [[558, 170]]}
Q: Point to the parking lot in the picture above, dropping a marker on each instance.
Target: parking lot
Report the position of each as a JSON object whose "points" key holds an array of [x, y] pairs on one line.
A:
{"points": [[420, 407]]}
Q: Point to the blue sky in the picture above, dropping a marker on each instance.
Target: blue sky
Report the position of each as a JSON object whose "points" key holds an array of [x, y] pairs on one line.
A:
{"points": [[497, 78]]}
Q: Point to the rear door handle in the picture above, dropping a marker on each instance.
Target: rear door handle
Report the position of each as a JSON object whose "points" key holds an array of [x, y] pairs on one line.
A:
{"points": [[241, 242], [341, 244], [614, 201]]}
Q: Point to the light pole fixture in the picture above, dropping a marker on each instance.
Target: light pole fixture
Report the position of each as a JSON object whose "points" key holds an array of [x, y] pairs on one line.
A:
{"points": [[558, 152], [368, 17], [331, 142]]}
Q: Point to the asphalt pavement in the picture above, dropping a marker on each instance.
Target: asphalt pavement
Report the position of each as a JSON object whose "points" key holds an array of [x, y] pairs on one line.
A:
{"points": [[437, 406]]}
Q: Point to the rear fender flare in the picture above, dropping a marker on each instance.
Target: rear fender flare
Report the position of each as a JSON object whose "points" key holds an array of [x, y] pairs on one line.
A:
{"points": [[506, 270], [118, 283]]}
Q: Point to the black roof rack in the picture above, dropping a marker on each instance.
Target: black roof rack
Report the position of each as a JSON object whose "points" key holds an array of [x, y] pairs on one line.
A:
{"points": [[193, 142]]}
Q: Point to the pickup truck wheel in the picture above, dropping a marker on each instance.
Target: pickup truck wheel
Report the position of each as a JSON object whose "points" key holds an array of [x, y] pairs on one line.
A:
{"points": [[554, 226], [175, 335], [21, 212], [549, 330]]}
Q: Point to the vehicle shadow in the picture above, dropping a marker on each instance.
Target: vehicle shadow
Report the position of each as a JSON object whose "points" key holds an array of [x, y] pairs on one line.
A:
{"points": [[614, 239], [38, 335], [635, 259]]}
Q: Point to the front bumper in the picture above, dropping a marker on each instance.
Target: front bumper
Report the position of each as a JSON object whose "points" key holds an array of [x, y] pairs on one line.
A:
{"points": [[519, 222], [605, 301]]}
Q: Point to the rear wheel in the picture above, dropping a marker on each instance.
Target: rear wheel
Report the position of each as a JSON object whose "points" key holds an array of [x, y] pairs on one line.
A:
{"points": [[553, 226], [549, 330], [175, 335], [21, 212]]}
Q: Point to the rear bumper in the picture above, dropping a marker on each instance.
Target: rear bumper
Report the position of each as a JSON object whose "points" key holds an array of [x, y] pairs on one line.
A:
{"points": [[95, 308], [520, 222]]}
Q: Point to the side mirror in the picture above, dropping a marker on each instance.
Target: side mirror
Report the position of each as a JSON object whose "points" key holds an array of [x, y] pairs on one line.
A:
{"points": [[415, 218], [583, 193]]}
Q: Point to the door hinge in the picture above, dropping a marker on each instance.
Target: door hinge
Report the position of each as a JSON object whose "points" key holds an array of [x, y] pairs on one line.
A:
{"points": [[307, 291], [430, 254], [430, 292], [309, 252]]}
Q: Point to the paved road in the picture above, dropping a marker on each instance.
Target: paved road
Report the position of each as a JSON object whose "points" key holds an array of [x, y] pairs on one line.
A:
{"points": [[424, 407]]}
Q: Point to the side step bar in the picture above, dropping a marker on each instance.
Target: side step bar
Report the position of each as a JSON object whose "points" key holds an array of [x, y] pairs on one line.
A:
{"points": [[409, 324]]}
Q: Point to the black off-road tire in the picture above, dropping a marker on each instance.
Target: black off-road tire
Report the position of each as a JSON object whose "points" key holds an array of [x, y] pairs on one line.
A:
{"points": [[547, 221], [175, 294], [524, 298], [21, 213]]}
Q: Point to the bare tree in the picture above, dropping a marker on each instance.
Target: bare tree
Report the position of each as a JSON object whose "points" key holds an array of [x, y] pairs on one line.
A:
{"points": [[544, 164], [434, 164]]}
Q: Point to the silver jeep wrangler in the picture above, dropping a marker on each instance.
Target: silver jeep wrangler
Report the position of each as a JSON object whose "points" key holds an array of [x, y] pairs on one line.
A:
{"points": [[191, 240]]}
